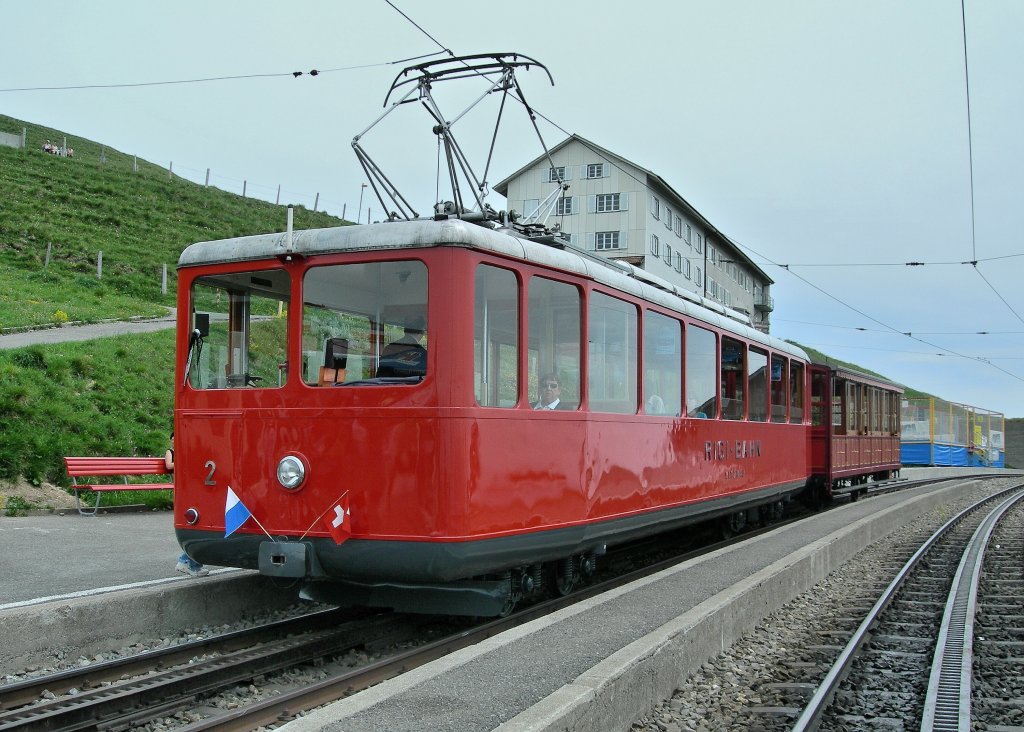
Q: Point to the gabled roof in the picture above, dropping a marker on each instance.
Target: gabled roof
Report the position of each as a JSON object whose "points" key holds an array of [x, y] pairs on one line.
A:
{"points": [[652, 178]]}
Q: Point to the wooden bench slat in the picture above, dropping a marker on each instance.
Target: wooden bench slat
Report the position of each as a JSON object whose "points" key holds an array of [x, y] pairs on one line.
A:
{"points": [[127, 487]]}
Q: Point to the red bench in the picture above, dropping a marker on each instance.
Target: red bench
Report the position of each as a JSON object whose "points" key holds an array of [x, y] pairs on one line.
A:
{"points": [[96, 467]]}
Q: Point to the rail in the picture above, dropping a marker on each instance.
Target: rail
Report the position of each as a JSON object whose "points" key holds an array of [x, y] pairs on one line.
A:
{"points": [[822, 696]]}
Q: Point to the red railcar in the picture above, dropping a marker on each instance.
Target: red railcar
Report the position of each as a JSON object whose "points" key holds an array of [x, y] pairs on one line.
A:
{"points": [[855, 429], [367, 395]]}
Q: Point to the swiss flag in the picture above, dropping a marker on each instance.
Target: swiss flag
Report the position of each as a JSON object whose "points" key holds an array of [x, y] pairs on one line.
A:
{"points": [[339, 520]]}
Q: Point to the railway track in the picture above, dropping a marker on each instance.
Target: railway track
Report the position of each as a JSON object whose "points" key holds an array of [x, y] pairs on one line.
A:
{"points": [[878, 675]]}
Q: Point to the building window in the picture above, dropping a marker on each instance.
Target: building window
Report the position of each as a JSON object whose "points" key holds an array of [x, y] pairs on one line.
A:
{"points": [[712, 254], [606, 240], [655, 207], [530, 206], [688, 233], [678, 222], [564, 206], [698, 277], [668, 255], [608, 202], [700, 243], [686, 268], [595, 170], [712, 288], [556, 174], [655, 246], [668, 218], [679, 262]]}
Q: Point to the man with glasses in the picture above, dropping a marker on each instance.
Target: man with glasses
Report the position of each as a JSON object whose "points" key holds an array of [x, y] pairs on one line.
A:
{"points": [[550, 393]]}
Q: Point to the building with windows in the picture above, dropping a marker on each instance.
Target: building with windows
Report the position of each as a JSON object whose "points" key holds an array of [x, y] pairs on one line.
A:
{"points": [[617, 209]]}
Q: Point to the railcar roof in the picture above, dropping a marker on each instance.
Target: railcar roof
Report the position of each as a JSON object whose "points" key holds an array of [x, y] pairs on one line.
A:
{"points": [[422, 234]]}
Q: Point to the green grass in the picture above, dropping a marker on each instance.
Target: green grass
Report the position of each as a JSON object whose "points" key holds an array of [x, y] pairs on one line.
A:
{"points": [[110, 396], [81, 206]]}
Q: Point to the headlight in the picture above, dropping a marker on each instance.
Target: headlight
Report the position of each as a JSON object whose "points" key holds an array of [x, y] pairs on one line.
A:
{"points": [[291, 472]]}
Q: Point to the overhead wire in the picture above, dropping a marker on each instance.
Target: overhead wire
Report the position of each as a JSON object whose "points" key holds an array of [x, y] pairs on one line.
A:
{"points": [[206, 79]]}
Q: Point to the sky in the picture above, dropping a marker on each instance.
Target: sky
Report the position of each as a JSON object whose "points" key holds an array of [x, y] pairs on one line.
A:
{"points": [[831, 139]]}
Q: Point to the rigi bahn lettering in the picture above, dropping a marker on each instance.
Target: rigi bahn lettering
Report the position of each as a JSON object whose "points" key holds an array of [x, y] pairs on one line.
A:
{"points": [[724, 449]]}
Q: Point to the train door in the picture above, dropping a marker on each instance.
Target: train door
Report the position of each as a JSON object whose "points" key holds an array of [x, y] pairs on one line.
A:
{"points": [[821, 425]]}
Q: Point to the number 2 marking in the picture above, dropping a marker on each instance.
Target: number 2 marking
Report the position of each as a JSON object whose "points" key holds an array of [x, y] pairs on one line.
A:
{"points": [[209, 477]]}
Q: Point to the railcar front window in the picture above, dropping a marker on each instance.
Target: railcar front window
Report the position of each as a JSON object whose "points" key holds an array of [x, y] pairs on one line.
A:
{"points": [[496, 337], [242, 321], [663, 365], [365, 324]]}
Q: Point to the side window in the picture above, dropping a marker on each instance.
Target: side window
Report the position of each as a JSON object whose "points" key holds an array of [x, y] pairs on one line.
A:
{"points": [[701, 373], [553, 330], [496, 337], [663, 364], [796, 392], [246, 330], [733, 378], [757, 384], [612, 355], [780, 392]]}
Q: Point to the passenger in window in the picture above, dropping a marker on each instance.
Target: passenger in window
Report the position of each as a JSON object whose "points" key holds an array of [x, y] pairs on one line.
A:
{"points": [[655, 405], [550, 393], [407, 356]]}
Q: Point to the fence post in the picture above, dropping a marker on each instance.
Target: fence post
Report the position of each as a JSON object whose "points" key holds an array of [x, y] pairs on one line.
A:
{"points": [[317, 201], [135, 163], [343, 207], [24, 137], [103, 153], [46, 262], [207, 177], [170, 170], [277, 201], [367, 214], [244, 182], [99, 265]]}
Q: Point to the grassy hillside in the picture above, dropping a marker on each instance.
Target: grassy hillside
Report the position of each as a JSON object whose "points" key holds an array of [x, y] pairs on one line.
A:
{"points": [[111, 396], [81, 206], [824, 358]]}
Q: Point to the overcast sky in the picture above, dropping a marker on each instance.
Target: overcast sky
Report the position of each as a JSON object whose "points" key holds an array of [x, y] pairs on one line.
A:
{"points": [[826, 135]]}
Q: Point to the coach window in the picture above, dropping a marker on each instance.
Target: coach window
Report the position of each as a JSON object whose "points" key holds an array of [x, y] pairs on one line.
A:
{"points": [[496, 337], [757, 384], [612, 355], [701, 373], [663, 364], [733, 378], [796, 392], [780, 393], [554, 337], [246, 316], [365, 324]]}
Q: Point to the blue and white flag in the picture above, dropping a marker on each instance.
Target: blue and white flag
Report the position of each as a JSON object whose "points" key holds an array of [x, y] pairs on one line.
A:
{"points": [[235, 513]]}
